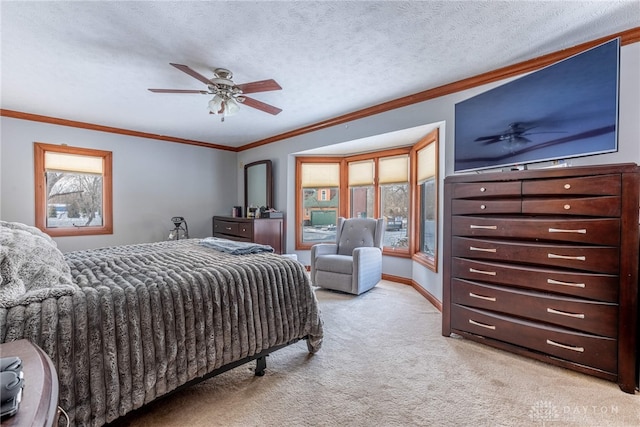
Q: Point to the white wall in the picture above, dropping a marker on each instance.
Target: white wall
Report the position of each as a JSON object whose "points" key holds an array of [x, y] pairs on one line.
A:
{"points": [[433, 111], [152, 182]]}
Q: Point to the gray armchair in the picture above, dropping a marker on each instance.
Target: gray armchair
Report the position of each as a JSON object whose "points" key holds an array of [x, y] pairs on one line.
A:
{"points": [[354, 263]]}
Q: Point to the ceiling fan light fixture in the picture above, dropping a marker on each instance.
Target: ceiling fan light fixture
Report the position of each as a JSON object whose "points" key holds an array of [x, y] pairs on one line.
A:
{"points": [[231, 107], [216, 104]]}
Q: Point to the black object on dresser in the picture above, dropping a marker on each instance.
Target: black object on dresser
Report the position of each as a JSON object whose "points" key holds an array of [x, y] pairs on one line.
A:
{"points": [[265, 231], [544, 263]]}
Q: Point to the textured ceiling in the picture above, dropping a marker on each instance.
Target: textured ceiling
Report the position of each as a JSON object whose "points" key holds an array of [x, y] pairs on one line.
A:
{"points": [[93, 61]]}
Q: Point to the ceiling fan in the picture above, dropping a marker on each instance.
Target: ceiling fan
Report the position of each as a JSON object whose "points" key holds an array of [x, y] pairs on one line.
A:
{"points": [[227, 96], [515, 133], [514, 137]]}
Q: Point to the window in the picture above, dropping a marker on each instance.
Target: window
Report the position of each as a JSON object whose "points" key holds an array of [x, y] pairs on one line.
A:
{"points": [[361, 188], [425, 158], [318, 201], [393, 181], [400, 184], [73, 190]]}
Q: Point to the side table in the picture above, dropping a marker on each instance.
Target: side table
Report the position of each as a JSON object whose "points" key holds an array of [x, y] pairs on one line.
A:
{"points": [[40, 392]]}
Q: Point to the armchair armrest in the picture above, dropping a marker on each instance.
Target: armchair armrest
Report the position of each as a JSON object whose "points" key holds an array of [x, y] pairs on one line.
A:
{"points": [[323, 249], [367, 255], [367, 268], [318, 250]]}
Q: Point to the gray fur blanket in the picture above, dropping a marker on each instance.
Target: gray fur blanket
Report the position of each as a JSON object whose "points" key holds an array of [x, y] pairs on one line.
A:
{"points": [[143, 319]]}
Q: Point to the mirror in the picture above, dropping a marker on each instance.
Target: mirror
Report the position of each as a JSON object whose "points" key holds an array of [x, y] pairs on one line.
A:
{"points": [[258, 185]]}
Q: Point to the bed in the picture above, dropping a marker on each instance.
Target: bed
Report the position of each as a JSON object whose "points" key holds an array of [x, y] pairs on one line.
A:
{"points": [[125, 325]]}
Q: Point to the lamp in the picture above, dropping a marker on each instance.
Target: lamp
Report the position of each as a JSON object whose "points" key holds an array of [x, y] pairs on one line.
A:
{"points": [[180, 230]]}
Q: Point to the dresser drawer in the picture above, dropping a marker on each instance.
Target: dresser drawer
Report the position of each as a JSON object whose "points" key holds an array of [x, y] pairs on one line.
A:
{"points": [[245, 229], [486, 189], [225, 227], [587, 206], [481, 206], [600, 259], [598, 185], [594, 286], [604, 231], [586, 349], [595, 317]]}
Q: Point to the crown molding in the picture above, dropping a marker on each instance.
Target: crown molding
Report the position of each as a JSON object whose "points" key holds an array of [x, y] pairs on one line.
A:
{"points": [[100, 128]]}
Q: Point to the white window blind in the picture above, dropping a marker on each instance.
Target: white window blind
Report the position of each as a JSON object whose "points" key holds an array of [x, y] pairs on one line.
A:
{"points": [[393, 170], [315, 175], [426, 163], [63, 162], [361, 173]]}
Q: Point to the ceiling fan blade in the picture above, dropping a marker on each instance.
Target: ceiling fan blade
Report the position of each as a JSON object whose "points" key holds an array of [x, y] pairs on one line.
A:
{"points": [[204, 92], [261, 86], [486, 138], [261, 106], [192, 73]]}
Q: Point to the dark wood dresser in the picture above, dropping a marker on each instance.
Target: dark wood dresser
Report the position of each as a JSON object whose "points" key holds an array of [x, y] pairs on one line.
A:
{"points": [[544, 263], [265, 231]]}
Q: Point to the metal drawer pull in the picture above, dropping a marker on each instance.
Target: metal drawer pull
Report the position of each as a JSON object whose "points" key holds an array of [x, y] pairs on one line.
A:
{"points": [[488, 273], [482, 325], [577, 258], [568, 347], [471, 294], [557, 282], [567, 207], [564, 313], [227, 228], [567, 186], [483, 206], [482, 189], [561, 230], [473, 248], [484, 227]]}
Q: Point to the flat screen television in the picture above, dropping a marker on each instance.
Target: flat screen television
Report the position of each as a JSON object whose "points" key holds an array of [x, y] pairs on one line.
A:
{"points": [[565, 110]]}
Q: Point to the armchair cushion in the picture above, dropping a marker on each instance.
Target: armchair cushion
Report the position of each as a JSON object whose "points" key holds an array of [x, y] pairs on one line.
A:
{"points": [[336, 263], [356, 232]]}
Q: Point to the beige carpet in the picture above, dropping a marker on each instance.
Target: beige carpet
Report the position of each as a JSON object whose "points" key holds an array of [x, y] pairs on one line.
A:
{"points": [[385, 363]]}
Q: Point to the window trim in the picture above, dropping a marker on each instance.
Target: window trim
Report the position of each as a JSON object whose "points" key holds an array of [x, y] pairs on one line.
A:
{"points": [[431, 262], [39, 150]]}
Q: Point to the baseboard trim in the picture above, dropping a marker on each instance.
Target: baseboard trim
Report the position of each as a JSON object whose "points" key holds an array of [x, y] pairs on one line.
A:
{"points": [[422, 291]]}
